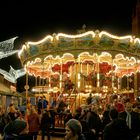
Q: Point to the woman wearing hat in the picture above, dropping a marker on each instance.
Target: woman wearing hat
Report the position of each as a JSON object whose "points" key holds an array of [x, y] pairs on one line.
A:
{"points": [[74, 130]]}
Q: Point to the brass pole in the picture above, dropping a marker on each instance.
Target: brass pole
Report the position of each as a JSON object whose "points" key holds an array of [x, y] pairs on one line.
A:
{"points": [[75, 81], [135, 83], [26, 88], [79, 80], [61, 75], [127, 79], [98, 75], [113, 76]]}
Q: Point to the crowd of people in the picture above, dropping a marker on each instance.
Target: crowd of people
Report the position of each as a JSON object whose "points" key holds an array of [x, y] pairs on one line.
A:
{"points": [[113, 120], [117, 119], [17, 124]]}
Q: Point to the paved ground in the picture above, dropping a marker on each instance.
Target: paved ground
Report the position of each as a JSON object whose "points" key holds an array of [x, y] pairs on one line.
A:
{"points": [[52, 138]]}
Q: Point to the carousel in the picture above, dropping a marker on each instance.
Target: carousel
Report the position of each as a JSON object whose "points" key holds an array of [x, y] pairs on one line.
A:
{"points": [[74, 66]]}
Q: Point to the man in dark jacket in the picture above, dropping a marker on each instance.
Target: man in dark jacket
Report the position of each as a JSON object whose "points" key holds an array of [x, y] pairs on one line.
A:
{"points": [[45, 124], [93, 123], [132, 120], [117, 128]]}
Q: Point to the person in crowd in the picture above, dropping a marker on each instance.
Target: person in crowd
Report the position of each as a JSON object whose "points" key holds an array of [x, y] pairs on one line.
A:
{"points": [[82, 120], [39, 112], [60, 110], [137, 108], [93, 122], [52, 118], [53, 103], [40, 103], [45, 124], [45, 103], [132, 119], [74, 130], [117, 128], [2, 120], [89, 99], [12, 111], [33, 122], [16, 130], [68, 116], [22, 115], [77, 113], [106, 117], [119, 106], [61, 106]]}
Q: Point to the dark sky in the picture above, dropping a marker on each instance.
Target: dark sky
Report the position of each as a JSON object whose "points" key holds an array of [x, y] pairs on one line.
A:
{"points": [[33, 20]]}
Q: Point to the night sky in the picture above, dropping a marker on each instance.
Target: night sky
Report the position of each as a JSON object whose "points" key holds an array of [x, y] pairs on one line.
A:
{"points": [[33, 20]]}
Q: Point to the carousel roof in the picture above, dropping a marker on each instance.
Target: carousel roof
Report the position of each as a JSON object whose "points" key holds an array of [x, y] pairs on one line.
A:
{"points": [[48, 54]]}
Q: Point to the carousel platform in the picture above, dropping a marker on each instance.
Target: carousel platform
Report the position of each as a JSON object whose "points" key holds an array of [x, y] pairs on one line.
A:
{"points": [[57, 132]]}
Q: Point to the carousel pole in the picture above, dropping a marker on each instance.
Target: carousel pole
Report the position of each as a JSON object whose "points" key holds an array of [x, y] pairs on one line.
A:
{"points": [[26, 88], [39, 85], [119, 83], [127, 79], [81, 71], [98, 75], [75, 74], [135, 84], [79, 78], [112, 71], [87, 69], [87, 83], [43, 76], [61, 72], [49, 81]]}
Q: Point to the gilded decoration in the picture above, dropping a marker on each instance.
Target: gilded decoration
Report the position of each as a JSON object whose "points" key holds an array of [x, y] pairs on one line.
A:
{"points": [[75, 44]]}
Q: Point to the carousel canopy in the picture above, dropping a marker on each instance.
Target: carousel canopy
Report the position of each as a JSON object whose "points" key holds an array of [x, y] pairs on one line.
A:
{"points": [[59, 51]]}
